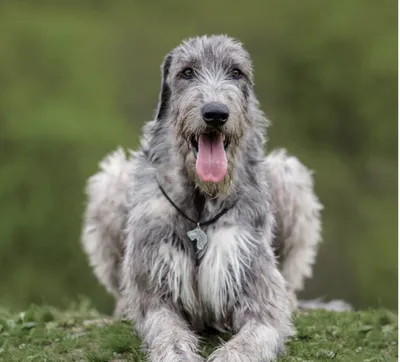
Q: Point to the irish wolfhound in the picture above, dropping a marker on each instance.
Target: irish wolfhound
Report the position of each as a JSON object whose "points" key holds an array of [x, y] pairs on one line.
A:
{"points": [[198, 228]]}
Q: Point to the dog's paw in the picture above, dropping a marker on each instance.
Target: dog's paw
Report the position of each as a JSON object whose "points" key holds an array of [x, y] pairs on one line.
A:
{"points": [[193, 358], [175, 357], [187, 359], [225, 354]]}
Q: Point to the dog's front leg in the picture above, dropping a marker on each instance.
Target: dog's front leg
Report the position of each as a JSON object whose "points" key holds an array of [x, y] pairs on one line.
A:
{"points": [[261, 320], [167, 337], [255, 342], [147, 300]]}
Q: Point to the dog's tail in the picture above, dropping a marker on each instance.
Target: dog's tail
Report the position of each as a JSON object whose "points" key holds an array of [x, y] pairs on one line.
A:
{"points": [[336, 305], [105, 217]]}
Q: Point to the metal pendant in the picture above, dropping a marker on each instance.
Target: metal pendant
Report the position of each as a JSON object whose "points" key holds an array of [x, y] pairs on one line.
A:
{"points": [[201, 240]]}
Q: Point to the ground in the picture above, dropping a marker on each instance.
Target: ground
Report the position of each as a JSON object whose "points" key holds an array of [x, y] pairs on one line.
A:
{"points": [[80, 333]]}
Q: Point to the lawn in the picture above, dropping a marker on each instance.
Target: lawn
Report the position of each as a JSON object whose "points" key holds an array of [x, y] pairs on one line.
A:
{"points": [[80, 333]]}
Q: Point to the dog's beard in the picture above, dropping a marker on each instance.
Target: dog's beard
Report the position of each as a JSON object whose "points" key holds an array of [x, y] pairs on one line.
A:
{"points": [[208, 156]]}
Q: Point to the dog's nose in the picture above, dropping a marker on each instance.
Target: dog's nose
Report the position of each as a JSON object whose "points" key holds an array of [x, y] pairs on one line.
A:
{"points": [[215, 114]]}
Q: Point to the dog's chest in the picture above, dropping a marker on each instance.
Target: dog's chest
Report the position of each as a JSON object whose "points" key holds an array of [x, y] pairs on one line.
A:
{"points": [[219, 274], [217, 277], [206, 289]]}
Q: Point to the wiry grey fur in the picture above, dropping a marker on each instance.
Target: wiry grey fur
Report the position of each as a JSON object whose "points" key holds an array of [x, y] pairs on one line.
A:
{"points": [[137, 242]]}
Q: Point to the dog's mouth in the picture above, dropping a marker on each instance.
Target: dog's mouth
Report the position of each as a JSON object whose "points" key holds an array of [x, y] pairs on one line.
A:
{"points": [[209, 149], [195, 142]]}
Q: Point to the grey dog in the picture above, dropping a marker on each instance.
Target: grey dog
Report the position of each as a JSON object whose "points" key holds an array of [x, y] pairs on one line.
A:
{"points": [[198, 228]]}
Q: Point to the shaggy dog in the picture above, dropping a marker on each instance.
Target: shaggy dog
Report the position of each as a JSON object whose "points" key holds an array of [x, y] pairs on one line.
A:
{"points": [[199, 228]]}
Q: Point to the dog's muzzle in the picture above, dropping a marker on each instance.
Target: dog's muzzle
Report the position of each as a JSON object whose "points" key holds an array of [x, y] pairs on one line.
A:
{"points": [[215, 114]]}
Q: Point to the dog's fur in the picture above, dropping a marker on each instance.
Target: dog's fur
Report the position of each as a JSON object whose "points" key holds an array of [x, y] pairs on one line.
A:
{"points": [[259, 252]]}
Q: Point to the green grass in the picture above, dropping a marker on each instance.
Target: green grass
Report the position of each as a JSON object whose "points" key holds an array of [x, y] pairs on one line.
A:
{"points": [[82, 334]]}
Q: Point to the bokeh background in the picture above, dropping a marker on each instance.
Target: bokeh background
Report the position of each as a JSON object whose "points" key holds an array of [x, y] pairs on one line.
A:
{"points": [[78, 78]]}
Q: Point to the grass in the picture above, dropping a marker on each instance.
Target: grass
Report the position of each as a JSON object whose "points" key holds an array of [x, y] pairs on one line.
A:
{"points": [[82, 334]]}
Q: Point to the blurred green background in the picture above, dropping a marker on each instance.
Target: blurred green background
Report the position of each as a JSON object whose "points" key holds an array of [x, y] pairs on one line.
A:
{"points": [[78, 78]]}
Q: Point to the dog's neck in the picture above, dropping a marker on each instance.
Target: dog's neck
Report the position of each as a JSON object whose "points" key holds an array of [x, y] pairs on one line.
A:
{"points": [[199, 202], [195, 203], [170, 170]]}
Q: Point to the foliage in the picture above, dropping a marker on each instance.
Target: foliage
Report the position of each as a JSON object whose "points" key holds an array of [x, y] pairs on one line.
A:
{"points": [[81, 333], [79, 78]]}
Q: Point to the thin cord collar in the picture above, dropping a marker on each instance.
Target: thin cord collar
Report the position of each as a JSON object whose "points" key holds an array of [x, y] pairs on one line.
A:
{"points": [[198, 223]]}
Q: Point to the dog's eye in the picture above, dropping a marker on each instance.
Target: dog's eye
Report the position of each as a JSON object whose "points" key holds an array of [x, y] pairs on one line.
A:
{"points": [[236, 73], [187, 73]]}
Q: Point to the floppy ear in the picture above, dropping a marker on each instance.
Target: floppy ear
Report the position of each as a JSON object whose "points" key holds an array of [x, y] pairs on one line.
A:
{"points": [[165, 94]]}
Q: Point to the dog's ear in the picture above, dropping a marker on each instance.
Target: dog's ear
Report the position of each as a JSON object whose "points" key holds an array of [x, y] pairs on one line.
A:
{"points": [[165, 93]]}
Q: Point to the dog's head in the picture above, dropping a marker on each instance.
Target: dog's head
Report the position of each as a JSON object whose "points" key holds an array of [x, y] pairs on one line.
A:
{"points": [[207, 87]]}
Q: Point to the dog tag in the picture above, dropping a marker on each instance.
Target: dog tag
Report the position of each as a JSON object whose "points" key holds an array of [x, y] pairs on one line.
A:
{"points": [[201, 240]]}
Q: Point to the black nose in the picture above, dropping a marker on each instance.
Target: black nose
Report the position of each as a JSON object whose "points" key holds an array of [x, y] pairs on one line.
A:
{"points": [[215, 114]]}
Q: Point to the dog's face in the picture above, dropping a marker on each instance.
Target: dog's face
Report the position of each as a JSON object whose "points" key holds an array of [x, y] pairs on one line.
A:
{"points": [[207, 82]]}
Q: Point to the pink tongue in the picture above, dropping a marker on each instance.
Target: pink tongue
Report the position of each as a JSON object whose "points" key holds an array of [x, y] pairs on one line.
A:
{"points": [[211, 164]]}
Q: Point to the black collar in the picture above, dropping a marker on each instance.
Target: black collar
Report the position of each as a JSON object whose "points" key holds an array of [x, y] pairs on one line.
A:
{"points": [[198, 223]]}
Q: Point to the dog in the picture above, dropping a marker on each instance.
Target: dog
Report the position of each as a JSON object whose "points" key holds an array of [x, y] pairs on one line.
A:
{"points": [[199, 228]]}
